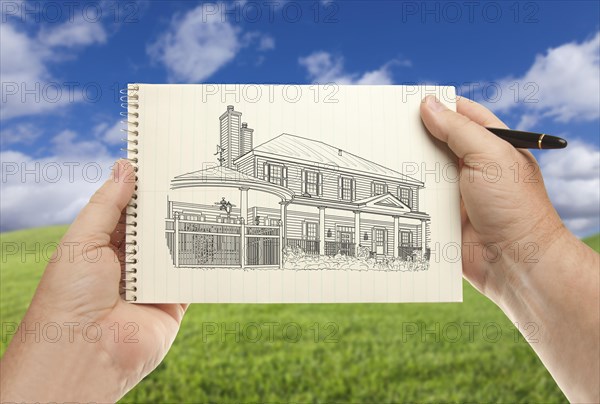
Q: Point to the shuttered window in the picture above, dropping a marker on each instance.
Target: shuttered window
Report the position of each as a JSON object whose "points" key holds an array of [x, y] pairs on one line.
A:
{"points": [[275, 173], [312, 183], [346, 188], [405, 195]]}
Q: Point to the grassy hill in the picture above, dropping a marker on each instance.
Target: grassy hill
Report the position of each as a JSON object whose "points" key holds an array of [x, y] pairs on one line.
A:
{"points": [[351, 352]]}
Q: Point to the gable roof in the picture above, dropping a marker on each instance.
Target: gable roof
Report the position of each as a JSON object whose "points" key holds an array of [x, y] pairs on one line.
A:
{"points": [[386, 200], [293, 147]]}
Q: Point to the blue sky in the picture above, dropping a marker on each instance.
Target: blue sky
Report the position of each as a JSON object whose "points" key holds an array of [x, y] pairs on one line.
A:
{"points": [[543, 55]]}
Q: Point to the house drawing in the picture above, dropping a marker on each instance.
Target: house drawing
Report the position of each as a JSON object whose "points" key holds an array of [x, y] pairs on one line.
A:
{"points": [[330, 204]]}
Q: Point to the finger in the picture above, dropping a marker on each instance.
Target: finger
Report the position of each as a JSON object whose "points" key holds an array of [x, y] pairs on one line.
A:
{"points": [[101, 215], [172, 309], [483, 116], [462, 135], [117, 238], [478, 113]]}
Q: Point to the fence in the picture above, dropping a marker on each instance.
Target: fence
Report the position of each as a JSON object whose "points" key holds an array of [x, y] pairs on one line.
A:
{"points": [[204, 244], [263, 245]]}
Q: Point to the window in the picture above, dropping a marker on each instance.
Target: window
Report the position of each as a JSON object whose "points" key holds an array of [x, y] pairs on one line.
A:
{"points": [[379, 188], [311, 181], [406, 238], [310, 230], [276, 174], [405, 195], [346, 189]]}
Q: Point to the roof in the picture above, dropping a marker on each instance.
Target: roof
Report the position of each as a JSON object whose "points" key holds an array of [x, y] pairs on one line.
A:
{"points": [[293, 147], [219, 172], [226, 177]]}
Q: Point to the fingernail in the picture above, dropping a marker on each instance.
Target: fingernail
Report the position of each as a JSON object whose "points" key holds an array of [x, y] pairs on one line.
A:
{"points": [[434, 104]]}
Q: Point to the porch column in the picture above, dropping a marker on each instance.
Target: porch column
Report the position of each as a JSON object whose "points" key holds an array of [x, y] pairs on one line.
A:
{"points": [[283, 217], [396, 243], [244, 203], [356, 232], [321, 230], [244, 217], [176, 238], [423, 236]]}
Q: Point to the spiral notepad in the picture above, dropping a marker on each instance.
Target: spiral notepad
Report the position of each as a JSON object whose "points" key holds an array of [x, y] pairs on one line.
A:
{"points": [[286, 193]]}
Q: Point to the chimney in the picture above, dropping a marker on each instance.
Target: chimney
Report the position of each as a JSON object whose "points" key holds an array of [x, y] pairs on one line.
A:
{"points": [[339, 152], [246, 139], [230, 136]]}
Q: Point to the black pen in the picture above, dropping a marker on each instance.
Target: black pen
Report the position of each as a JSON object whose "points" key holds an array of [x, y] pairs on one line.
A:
{"points": [[529, 140]]}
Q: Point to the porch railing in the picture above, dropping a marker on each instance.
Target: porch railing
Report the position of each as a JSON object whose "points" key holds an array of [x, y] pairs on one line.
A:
{"points": [[310, 247], [339, 247], [407, 252]]}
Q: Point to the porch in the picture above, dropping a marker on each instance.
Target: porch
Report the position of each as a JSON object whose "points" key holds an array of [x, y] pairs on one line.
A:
{"points": [[377, 227]]}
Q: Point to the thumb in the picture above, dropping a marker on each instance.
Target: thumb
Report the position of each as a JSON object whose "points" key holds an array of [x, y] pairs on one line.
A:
{"points": [[100, 216], [462, 135]]}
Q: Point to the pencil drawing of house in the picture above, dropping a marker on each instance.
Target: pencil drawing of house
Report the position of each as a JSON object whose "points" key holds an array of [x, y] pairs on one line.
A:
{"points": [[332, 209]]}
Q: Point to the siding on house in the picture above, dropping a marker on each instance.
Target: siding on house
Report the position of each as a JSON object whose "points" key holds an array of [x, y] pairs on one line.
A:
{"points": [[246, 166], [329, 178]]}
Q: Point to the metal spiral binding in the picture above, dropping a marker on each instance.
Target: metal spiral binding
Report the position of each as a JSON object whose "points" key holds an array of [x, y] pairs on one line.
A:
{"points": [[130, 102]]}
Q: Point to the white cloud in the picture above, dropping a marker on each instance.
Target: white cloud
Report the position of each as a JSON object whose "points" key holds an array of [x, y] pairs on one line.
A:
{"points": [[527, 122], [266, 43], [24, 133], [112, 135], [77, 32], [562, 84], [24, 62], [53, 189], [572, 178], [199, 43], [22, 56], [323, 67]]}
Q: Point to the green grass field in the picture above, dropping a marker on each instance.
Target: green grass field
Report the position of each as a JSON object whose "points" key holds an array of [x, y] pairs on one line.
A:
{"points": [[352, 352]]}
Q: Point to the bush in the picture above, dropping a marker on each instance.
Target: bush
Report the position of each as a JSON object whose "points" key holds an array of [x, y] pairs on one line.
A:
{"points": [[295, 258]]}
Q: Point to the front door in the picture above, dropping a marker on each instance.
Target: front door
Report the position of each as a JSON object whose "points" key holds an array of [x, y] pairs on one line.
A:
{"points": [[379, 241]]}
